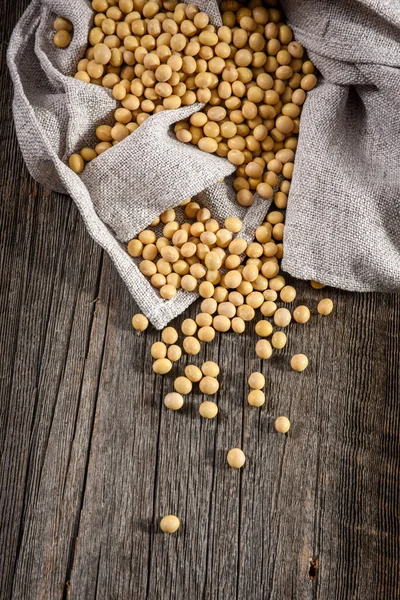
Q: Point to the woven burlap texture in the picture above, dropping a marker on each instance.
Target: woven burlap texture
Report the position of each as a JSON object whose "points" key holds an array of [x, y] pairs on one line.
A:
{"points": [[124, 189], [342, 224]]}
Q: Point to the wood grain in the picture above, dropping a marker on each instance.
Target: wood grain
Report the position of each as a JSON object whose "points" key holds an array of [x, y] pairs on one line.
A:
{"points": [[91, 459]]}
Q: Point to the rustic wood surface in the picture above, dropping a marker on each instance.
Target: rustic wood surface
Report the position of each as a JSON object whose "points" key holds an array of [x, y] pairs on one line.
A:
{"points": [[90, 459]]}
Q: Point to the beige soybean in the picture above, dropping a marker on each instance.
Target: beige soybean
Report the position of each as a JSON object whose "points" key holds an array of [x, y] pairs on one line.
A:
{"points": [[250, 272], [308, 82], [270, 295], [220, 293], [210, 369], [62, 38], [236, 458], [169, 524], [233, 224], [162, 266], [209, 305], [169, 335], [191, 345], [256, 381], [203, 319], [170, 254], [173, 401], [209, 237], [208, 410], [183, 385], [256, 398], [232, 262], [208, 144], [238, 325], [162, 366], [282, 424], [221, 323], [61, 23], [88, 154], [206, 334], [76, 163], [140, 322], [268, 309], [102, 54], [263, 328], [83, 76], [193, 373], [282, 317], [150, 252], [189, 327], [245, 312], [270, 269], [227, 309], [224, 238], [263, 234], [255, 299], [206, 289], [188, 249], [287, 294], [180, 267], [158, 350], [233, 279], [264, 349], [209, 385], [212, 261], [237, 246], [167, 216], [301, 314], [299, 362], [325, 306], [189, 283], [147, 236], [279, 340], [168, 291], [174, 353]]}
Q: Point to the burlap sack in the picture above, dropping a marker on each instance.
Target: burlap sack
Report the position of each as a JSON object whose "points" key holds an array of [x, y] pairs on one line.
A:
{"points": [[124, 189], [342, 225], [343, 222]]}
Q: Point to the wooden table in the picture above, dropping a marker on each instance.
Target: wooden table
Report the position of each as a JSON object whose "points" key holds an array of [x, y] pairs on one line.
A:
{"points": [[91, 459]]}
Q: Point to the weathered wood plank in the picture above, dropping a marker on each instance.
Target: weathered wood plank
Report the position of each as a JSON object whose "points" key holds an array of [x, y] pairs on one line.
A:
{"points": [[66, 395], [113, 537], [91, 460], [43, 295]]}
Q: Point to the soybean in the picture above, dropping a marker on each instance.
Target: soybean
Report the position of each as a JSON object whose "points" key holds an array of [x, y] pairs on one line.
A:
{"points": [[208, 410], [325, 306], [236, 458], [256, 398], [282, 424], [299, 362], [140, 322], [169, 524], [160, 57], [173, 401], [256, 381]]}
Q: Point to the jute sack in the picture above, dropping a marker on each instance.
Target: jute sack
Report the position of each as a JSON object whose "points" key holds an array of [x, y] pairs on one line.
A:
{"points": [[343, 219], [123, 190]]}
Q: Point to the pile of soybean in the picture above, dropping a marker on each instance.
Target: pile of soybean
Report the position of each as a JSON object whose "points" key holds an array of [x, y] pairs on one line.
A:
{"points": [[250, 75], [235, 280]]}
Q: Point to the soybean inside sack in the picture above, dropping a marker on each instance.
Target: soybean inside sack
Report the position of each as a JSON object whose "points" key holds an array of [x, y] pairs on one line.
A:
{"points": [[343, 220], [124, 189]]}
